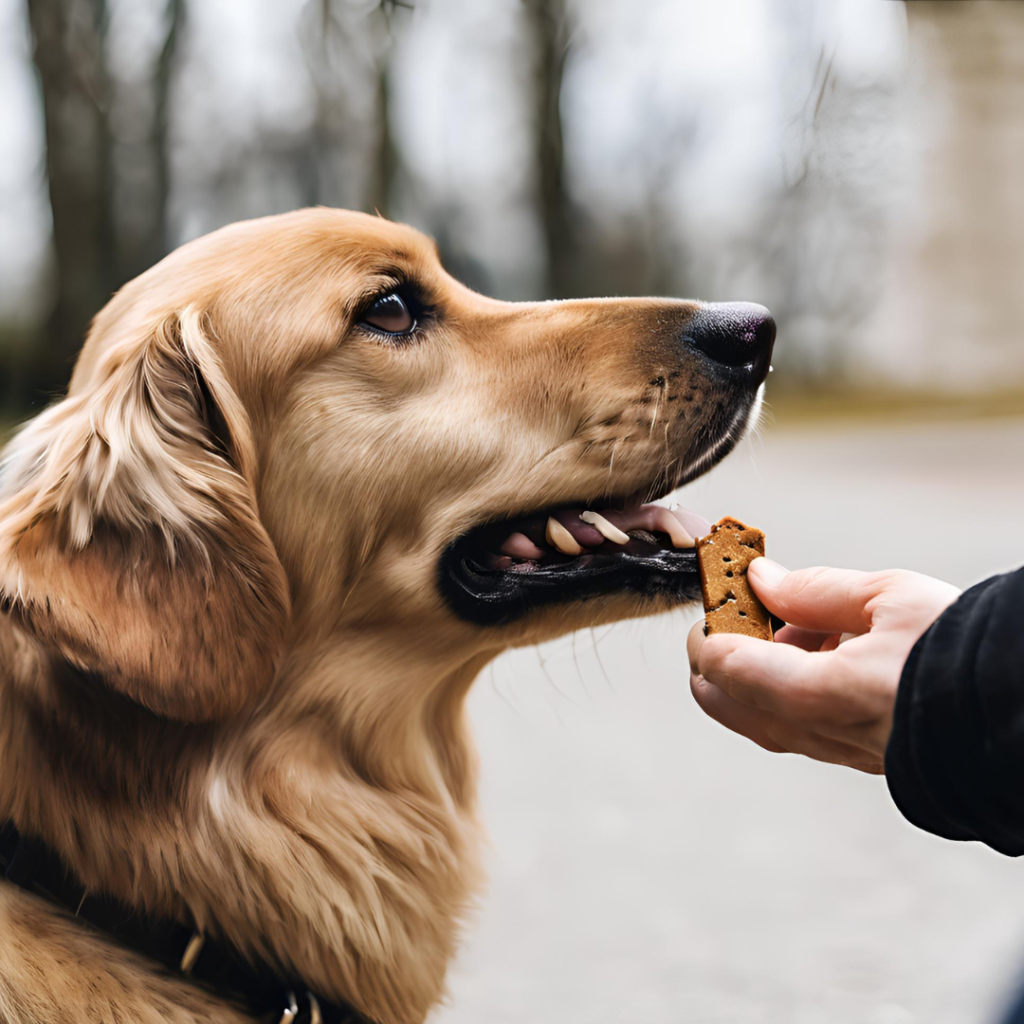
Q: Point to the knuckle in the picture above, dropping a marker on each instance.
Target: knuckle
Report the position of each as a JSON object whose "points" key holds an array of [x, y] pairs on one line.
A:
{"points": [[715, 656], [906, 597], [898, 585], [901, 579], [698, 687]]}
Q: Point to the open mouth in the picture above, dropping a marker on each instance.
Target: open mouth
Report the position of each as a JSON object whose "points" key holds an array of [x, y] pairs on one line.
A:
{"points": [[501, 570]]}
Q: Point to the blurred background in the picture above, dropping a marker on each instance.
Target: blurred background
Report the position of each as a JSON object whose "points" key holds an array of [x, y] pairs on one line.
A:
{"points": [[856, 165]]}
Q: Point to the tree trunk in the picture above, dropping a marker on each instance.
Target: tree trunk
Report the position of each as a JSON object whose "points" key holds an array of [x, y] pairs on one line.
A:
{"points": [[548, 33], [142, 229], [69, 58], [384, 169], [108, 224]]}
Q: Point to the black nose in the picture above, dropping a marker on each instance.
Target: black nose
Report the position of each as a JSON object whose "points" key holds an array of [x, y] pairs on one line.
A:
{"points": [[739, 334]]}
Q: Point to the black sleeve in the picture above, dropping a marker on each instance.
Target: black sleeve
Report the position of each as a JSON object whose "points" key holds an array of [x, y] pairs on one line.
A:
{"points": [[955, 760]]}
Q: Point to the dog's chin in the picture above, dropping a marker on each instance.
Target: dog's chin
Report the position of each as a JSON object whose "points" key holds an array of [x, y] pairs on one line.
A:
{"points": [[506, 568]]}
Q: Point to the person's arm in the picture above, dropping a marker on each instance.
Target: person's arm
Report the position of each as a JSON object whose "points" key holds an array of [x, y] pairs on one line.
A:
{"points": [[955, 759], [951, 743]]}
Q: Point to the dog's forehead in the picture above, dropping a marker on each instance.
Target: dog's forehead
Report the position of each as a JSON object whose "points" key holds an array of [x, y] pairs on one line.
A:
{"points": [[250, 255], [361, 237], [354, 241]]}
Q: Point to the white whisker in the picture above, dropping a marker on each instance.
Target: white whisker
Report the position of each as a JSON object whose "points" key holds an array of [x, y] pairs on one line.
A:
{"points": [[737, 427]]}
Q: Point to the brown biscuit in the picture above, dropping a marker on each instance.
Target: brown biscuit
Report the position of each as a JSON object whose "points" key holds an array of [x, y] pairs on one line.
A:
{"points": [[730, 605]]}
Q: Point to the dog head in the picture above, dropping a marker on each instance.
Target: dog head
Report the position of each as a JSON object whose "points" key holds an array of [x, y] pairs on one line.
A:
{"points": [[302, 426]]}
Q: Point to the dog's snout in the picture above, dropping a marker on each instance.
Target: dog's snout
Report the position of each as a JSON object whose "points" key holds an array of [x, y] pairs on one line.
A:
{"points": [[739, 334]]}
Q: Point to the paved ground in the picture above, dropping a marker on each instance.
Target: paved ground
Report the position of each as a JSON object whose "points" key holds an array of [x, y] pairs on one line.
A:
{"points": [[650, 867]]}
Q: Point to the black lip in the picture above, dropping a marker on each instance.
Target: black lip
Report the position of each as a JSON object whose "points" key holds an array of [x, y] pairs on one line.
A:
{"points": [[491, 597]]}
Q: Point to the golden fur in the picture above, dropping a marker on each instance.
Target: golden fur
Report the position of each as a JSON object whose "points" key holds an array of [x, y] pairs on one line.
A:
{"points": [[229, 688]]}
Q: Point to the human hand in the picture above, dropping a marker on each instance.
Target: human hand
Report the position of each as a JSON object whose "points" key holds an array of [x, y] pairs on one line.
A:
{"points": [[817, 691]]}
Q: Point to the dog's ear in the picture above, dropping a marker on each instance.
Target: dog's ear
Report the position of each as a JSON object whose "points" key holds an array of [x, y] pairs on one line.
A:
{"points": [[130, 541]]}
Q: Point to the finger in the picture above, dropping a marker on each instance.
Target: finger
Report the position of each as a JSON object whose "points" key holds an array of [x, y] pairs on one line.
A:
{"points": [[774, 733], [779, 678], [818, 747], [740, 718], [821, 599], [693, 644], [827, 692], [805, 639]]}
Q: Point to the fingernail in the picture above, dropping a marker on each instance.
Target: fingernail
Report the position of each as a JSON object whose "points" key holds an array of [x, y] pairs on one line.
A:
{"points": [[767, 572]]}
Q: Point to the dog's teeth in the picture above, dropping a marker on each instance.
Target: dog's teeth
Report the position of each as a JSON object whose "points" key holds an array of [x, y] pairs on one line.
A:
{"points": [[663, 519], [681, 538], [559, 537], [607, 530]]}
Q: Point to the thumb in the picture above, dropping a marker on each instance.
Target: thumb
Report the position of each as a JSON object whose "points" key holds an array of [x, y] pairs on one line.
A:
{"points": [[822, 599]]}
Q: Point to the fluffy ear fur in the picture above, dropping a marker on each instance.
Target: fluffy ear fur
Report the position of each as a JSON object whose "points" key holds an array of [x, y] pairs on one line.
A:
{"points": [[130, 543]]}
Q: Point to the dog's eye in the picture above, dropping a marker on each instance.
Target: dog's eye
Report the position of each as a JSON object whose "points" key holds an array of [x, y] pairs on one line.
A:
{"points": [[391, 315]]}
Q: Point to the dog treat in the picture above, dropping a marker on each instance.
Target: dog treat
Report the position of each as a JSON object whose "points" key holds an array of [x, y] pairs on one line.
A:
{"points": [[730, 605]]}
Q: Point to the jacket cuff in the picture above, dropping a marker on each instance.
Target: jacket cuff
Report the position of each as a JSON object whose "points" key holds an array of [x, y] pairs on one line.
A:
{"points": [[945, 761]]}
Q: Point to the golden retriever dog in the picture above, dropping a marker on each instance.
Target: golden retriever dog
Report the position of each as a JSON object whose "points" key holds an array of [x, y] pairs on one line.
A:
{"points": [[303, 487]]}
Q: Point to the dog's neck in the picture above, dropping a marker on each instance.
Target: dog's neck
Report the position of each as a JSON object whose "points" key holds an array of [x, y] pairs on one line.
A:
{"points": [[330, 830]]}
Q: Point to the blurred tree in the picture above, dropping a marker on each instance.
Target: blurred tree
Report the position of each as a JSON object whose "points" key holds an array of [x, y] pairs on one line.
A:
{"points": [[142, 165], [548, 40], [107, 198], [70, 61], [353, 159], [384, 165]]}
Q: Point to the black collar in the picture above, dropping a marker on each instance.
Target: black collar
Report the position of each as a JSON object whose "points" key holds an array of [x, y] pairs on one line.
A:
{"points": [[217, 966]]}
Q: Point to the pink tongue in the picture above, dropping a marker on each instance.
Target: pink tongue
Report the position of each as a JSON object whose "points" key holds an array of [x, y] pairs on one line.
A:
{"points": [[520, 546]]}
